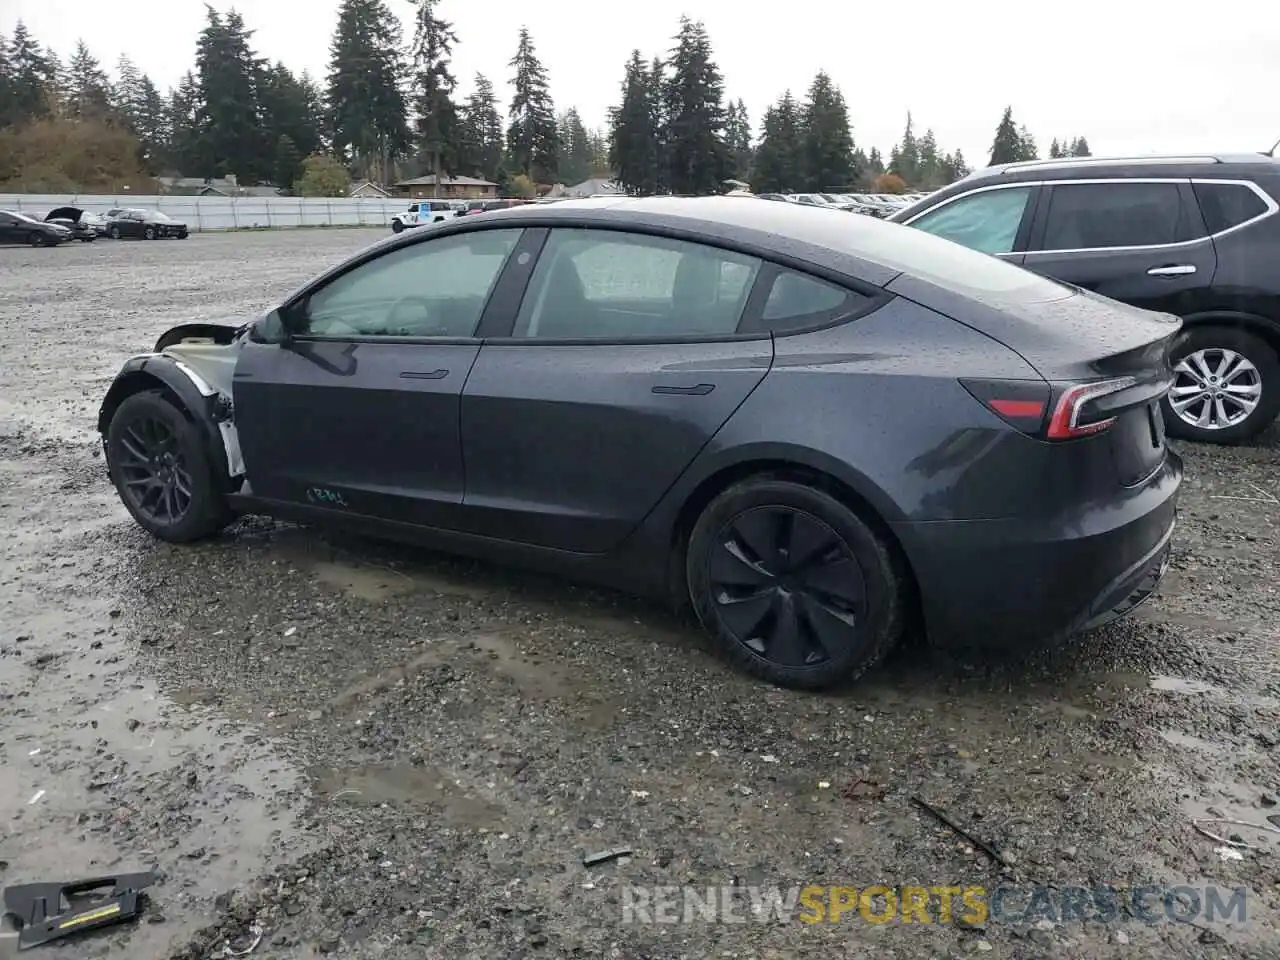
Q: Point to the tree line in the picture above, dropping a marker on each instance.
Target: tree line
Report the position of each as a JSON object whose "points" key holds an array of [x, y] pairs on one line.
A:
{"points": [[389, 108]]}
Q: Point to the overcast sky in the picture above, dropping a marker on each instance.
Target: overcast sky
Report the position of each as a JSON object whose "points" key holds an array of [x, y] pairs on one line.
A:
{"points": [[1133, 76]]}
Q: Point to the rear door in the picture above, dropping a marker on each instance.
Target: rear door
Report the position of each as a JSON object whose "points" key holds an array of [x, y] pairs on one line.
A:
{"points": [[623, 360], [995, 220], [358, 412], [1139, 241]]}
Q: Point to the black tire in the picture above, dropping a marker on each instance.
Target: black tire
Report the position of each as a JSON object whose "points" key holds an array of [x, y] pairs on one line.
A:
{"points": [[136, 419], [1257, 352], [858, 562], [397, 226], [114, 233], [149, 233], [36, 239]]}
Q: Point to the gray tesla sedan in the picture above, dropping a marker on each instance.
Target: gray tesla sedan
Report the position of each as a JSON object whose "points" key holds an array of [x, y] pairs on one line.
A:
{"points": [[816, 429]]}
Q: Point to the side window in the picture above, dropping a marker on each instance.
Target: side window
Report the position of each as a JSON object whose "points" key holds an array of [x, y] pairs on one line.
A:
{"points": [[436, 288], [610, 285], [1227, 205], [986, 221], [797, 301], [1090, 216]]}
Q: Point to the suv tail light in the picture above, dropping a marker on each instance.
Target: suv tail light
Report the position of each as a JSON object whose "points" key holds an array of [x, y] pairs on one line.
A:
{"points": [[1051, 411]]}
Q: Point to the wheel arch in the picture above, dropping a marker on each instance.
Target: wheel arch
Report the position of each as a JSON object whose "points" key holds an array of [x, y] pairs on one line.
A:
{"points": [[186, 391], [871, 506], [1266, 330]]}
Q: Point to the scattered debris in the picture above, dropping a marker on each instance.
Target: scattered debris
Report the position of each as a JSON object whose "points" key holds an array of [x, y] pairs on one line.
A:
{"points": [[1228, 853], [31, 903], [605, 856], [982, 845], [36, 797], [255, 931], [1233, 840], [860, 788]]}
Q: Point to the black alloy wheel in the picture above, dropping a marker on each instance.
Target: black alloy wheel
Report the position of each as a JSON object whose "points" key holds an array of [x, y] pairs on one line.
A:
{"points": [[149, 233], [160, 467], [36, 239], [798, 590]]}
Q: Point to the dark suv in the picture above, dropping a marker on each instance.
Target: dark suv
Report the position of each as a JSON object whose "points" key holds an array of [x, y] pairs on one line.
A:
{"points": [[1193, 236]]}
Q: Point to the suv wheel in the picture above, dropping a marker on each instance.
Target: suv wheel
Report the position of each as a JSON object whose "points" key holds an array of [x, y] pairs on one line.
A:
{"points": [[793, 585], [396, 226], [1226, 386]]}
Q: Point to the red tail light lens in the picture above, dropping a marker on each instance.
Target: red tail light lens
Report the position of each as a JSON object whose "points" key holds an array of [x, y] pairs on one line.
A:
{"points": [[1071, 416], [1049, 412]]}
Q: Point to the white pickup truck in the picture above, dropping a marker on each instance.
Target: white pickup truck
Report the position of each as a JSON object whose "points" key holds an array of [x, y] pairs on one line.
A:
{"points": [[422, 212]]}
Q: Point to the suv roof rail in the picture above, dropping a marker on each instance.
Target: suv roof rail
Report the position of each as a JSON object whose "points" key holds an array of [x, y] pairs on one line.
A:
{"points": [[1084, 161]]}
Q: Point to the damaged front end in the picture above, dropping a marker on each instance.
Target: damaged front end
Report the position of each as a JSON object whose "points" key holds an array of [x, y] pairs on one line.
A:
{"points": [[195, 364]]}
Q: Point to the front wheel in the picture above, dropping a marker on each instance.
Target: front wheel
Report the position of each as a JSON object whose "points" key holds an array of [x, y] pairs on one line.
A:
{"points": [[158, 462], [793, 585], [148, 234], [1226, 386], [397, 226], [36, 239]]}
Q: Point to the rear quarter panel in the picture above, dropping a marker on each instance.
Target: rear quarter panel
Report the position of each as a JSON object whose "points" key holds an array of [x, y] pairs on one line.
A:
{"points": [[877, 404]]}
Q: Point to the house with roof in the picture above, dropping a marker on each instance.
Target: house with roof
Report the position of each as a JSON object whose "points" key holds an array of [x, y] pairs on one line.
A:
{"points": [[448, 188], [368, 190], [214, 187], [593, 187]]}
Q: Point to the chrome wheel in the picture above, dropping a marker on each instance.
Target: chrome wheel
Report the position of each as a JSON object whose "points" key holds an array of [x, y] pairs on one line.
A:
{"points": [[1215, 388]]}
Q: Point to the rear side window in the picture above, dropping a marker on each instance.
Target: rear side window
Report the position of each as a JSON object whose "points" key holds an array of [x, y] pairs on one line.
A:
{"points": [[986, 221], [1227, 205], [1091, 216], [797, 301]]}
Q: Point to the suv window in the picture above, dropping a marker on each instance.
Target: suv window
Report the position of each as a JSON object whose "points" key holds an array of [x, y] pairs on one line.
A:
{"points": [[607, 284], [436, 288], [1088, 216], [1227, 205], [797, 301], [986, 221]]}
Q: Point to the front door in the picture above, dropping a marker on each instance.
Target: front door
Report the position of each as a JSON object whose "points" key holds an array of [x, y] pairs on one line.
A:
{"points": [[1142, 242], [622, 363], [358, 412]]}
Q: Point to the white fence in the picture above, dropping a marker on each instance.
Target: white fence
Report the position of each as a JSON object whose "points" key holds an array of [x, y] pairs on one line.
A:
{"points": [[224, 213]]}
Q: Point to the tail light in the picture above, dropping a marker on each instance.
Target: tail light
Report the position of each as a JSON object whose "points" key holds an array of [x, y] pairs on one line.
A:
{"points": [[1048, 411]]}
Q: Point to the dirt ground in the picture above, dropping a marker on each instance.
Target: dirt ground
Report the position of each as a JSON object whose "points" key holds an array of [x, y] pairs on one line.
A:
{"points": [[374, 752]]}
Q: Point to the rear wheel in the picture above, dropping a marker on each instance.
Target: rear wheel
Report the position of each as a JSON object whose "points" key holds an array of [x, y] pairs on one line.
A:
{"points": [[36, 239], [396, 226], [158, 462], [1226, 386], [114, 233], [794, 586]]}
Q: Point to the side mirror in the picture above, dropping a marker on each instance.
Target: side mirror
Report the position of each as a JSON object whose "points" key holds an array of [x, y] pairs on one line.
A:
{"points": [[270, 328]]}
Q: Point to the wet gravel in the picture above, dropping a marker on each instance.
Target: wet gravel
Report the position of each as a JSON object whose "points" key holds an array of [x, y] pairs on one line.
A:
{"points": [[359, 750]]}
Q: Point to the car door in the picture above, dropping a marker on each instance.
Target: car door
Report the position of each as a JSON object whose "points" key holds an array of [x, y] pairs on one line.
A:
{"points": [[358, 410], [1139, 241], [623, 361], [8, 228], [995, 220]]}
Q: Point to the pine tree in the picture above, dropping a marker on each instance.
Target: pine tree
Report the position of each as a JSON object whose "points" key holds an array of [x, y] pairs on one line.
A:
{"points": [[658, 117], [364, 105], [433, 85], [904, 158], [184, 126], [574, 164], [7, 96], [88, 92], [1080, 147], [1027, 149], [875, 164], [1007, 146], [151, 125], [697, 155], [228, 74], [778, 164], [1055, 150], [288, 163], [126, 92], [737, 134], [827, 142], [33, 76], [633, 148], [288, 114], [481, 130], [532, 137]]}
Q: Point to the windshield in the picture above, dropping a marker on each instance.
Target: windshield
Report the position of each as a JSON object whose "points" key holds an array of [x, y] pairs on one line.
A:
{"points": [[156, 216], [22, 216]]}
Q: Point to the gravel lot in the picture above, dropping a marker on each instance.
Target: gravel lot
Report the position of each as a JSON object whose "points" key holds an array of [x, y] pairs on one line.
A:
{"points": [[373, 752]]}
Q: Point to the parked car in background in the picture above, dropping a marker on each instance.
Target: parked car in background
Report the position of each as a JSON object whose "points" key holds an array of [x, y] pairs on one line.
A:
{"points": [[144, 225], [772, 196], [83, 225], [421, 212], [503, 203], [1195, 236], [20, 228], [810, 428]]}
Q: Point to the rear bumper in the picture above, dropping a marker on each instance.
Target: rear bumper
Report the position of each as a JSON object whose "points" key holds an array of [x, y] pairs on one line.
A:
{"points": [[1013, 584]]}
